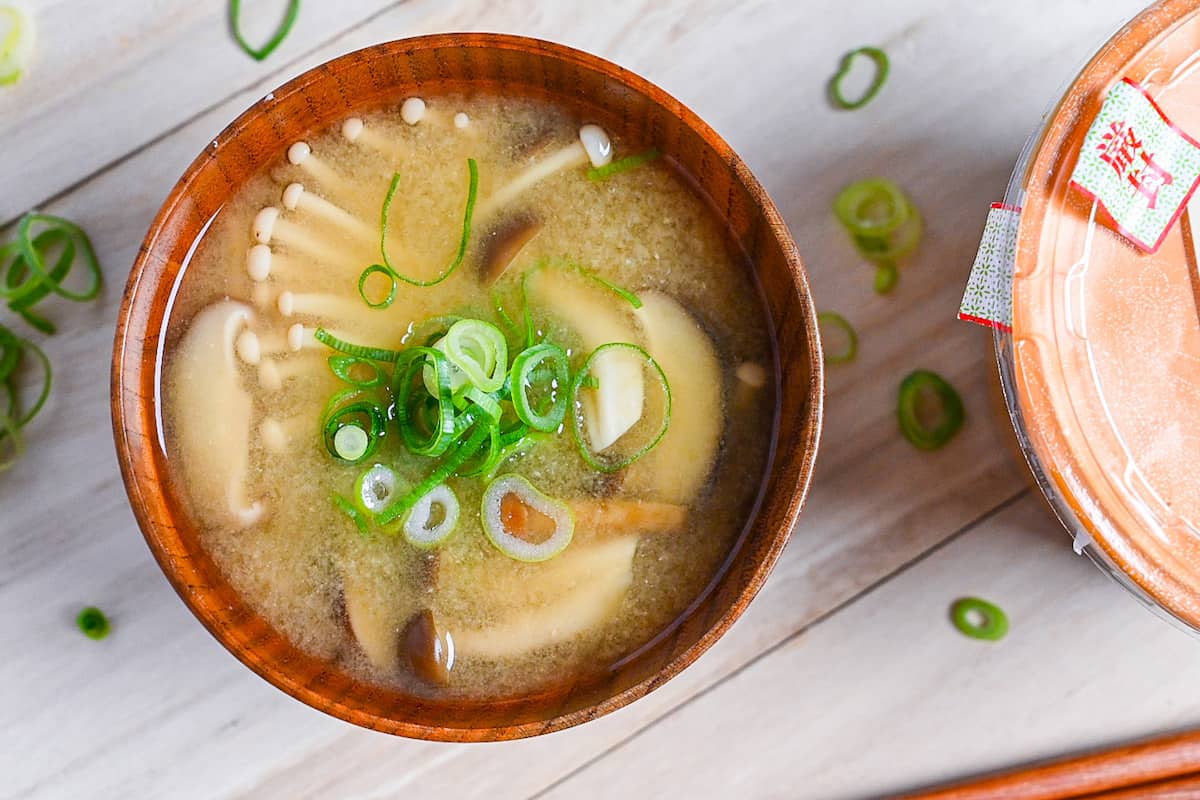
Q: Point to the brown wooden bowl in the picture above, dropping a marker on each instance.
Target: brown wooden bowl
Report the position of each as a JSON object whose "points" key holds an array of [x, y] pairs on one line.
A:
{"points": [[382, 76]]}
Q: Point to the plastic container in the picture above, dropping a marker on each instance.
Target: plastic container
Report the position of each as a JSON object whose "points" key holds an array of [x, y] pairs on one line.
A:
{"points": [[1101, 369]]}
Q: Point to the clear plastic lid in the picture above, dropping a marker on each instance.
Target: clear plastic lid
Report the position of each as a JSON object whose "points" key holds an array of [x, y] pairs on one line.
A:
{"points": [[1105, 343]]}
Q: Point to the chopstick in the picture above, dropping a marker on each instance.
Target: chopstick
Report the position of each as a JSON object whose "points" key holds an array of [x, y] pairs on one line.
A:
{"points": [[1145, 765]]}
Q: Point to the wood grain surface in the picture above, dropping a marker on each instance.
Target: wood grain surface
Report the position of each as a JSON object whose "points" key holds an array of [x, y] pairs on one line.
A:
{"points": [[844, 678]]}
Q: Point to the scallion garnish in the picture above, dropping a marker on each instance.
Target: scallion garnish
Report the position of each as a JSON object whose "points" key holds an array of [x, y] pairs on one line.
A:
{"points": [[886, 278], [420, 529], [834, 325], [16, 43], [357, 350], [553, 387], [346, 507], [496, 517], [622, 165], [26, 278], [350, 369], [623, 293], [389, 271], [577, 418], [882, 66], [93, 623], [285, 27], [366, 419], [13, 417], [930, 411], [479, 350], [979, 619], [448, 467]]}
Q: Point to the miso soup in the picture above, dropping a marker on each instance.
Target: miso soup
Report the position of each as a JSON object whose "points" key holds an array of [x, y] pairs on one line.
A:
{"points": [[467, 397]]}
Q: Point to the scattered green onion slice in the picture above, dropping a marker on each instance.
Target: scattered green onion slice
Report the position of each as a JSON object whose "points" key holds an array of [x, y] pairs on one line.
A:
{"points": [[883, 223], [393, 284], [917, 392], [517, 447], [522, 371], [410, 371], [886, 278], [979, 619], [27, 279], [347, 508], [344, 411], [344, 368], [358, 351], [882, 67], [13, 418], [444, 470], [622, 165], [480, 350], [501, 313], [16, 45], [350, 443], [420, 530], [376, 488], [514, 547], [93, 623], [577, 421], [12, 444], [285, 27], [828, 322], [390, 269], [621, 292]]}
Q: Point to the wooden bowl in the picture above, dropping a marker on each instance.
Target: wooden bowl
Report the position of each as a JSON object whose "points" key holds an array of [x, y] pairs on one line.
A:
{"points": [[382, 76]]}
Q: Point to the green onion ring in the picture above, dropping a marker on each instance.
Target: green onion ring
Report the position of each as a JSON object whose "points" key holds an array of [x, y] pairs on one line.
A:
{"points": [[492, 516], [342, 367], [358, 351], [522, 369], [386, 271], [346, 507], [576, 418], [47, 379], [624, 294], [995, 621], [285, 27], [515, 448], [480, 350], [832, 319], [33, 258], [447, 468], [882, 67], [485, 457], [950, 410], [93, 623], [622, 165], [367, 415], [10, 432], [409, 372], [853, 203], [886, 278], [472, 190]]}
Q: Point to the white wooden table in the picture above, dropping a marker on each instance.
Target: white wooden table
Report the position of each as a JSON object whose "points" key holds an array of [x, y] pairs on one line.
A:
{"points": [[843, 680]]}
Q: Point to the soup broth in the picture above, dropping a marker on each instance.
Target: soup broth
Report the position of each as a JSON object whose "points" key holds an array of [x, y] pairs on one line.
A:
{"points": [[472, 592]]}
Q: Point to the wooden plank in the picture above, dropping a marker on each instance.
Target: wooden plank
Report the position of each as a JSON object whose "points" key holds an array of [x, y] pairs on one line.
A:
{"points": [[163, 693], [887, 696], [108, 77]]}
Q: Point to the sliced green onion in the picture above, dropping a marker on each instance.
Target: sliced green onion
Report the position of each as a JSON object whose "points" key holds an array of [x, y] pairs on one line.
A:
{"points": [[376, 488], [385, 213], [829, 322], [12, 417], [350, 443], [979, 619], [480, 350], [501, 313], [409, 375], [522, 371], [16, 45], [930, 411], [347, 508], [485, 457], [883, 223], [495, 528], [882, 67], [576, 418], [285, 27], [622, 165], [344, 368], [487, 403], [419, 528], [12, 444], [344, 411], [624, 294], [886, 278], [444, 470], [393, 284], [93, 623], [517, 447], [357, 350], [27, 279]]}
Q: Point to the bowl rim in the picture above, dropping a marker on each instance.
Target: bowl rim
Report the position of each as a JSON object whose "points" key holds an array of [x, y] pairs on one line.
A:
{"points": [[127, 425]]}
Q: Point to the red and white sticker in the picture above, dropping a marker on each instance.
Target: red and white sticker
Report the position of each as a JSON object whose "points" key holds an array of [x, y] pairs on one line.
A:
{"points": [[1137, 166]]}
